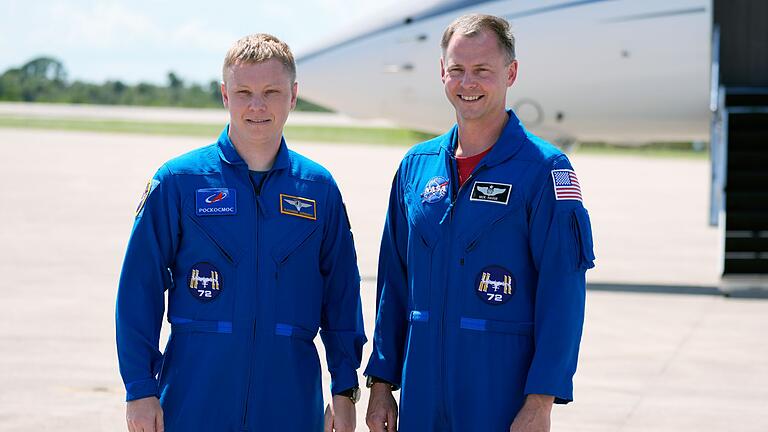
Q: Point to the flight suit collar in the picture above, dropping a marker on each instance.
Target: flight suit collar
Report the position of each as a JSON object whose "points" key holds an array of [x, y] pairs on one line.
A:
{"points": [[507, 145], [229, 154]]}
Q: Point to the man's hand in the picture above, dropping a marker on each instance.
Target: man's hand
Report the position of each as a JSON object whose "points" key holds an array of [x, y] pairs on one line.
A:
{"points": [[382, 409], [534, 415], [341, 416], [144, 415]]}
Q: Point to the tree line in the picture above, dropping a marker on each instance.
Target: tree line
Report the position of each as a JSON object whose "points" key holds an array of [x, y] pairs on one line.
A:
{"points": [[44, 79]]}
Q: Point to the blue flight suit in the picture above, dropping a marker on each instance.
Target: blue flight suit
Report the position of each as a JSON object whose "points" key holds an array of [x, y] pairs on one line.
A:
{"points": [[481, 287], [252, 271]]}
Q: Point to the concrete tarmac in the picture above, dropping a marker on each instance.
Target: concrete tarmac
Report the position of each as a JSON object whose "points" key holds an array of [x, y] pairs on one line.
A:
{"points": [[649, 362]]}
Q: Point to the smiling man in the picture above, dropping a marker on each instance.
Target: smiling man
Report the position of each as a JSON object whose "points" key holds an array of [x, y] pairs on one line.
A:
{"points": [[253, 245], [482, 263]]}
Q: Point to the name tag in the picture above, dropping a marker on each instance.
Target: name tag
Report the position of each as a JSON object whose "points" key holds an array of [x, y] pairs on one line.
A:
{"points": [[298, 206], [491, 192]]}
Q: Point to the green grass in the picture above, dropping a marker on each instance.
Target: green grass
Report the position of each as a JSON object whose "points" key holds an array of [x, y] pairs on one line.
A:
{"points": [[334, 134], [654, 150], [184, 129], [388, 136]]}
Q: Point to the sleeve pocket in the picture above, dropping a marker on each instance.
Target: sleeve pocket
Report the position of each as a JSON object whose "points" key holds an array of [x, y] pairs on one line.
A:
{"points": [[582, 231]]}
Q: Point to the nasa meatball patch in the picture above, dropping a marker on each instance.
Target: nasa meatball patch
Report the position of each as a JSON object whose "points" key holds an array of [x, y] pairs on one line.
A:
{"points": [[435, 190], [491, 192], [215, 202], [205, 282], [495, 285]]}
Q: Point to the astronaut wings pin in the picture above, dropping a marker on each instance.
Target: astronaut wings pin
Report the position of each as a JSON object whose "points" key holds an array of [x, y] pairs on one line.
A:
{"points": [[491, 192], [298, 206]]}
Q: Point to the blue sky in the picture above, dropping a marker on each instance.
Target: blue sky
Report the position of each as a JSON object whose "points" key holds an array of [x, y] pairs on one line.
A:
{"points": [[141, 40]]}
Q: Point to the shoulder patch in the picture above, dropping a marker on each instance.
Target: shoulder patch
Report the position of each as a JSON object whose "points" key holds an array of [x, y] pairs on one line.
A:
{"points": [[566, 185], [151, 185]]}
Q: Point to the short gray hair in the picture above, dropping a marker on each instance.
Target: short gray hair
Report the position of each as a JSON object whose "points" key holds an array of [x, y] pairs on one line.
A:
{"points": [[473, 24]]}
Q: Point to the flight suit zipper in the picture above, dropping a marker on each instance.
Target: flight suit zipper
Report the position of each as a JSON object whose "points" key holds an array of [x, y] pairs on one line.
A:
{"points": [[255, 192], [456, 193]]}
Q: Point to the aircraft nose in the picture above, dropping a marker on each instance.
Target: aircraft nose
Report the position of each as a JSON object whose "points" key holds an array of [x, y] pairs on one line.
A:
{"points": [[337, 75], [378, 72]]}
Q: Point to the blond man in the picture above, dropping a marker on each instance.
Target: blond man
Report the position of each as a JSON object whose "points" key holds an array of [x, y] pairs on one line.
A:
{"points": [[252, 244]]}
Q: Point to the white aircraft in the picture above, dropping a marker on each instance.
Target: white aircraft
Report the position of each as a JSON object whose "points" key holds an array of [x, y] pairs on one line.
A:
{"points": [[622, 71]]}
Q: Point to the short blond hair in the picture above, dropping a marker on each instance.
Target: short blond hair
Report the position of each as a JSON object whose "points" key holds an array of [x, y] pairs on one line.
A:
{"points": [[472, 24], [258, 48]]}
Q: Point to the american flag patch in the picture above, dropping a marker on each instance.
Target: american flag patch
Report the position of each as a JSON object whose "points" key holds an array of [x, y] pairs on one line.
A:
{"points": [[566, 185]]}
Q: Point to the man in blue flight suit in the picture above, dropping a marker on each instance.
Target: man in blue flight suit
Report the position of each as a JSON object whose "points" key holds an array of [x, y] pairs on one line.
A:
{"points": [[252, 242], [482, 263]]}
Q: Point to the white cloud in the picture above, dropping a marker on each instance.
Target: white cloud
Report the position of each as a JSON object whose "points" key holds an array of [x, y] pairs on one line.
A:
{"points": [[198, 35], [132, 40], [103, 24]]}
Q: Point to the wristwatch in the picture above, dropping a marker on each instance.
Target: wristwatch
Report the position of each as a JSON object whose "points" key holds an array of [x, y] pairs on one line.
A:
{"points": [[371, 380], [352, 393]]}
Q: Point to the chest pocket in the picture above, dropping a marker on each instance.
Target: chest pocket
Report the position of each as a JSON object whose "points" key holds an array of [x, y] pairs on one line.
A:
{"points": [[205, 273], [219, 241], [298, 289], [485, 217], [494, 280], [292, 242], [424, 217]]}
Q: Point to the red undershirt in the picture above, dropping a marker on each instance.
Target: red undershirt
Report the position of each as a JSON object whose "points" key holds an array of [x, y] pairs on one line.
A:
{"points": [[466, 165]]}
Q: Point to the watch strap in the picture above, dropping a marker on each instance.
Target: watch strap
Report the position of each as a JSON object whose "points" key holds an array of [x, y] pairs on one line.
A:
{"points": [[353, 393], [371, 380]]}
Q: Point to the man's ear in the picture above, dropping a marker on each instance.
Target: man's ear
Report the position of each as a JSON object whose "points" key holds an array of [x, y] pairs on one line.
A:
{"points": [[224, 96], [294, 95], [511, 73], [442, 69]]}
